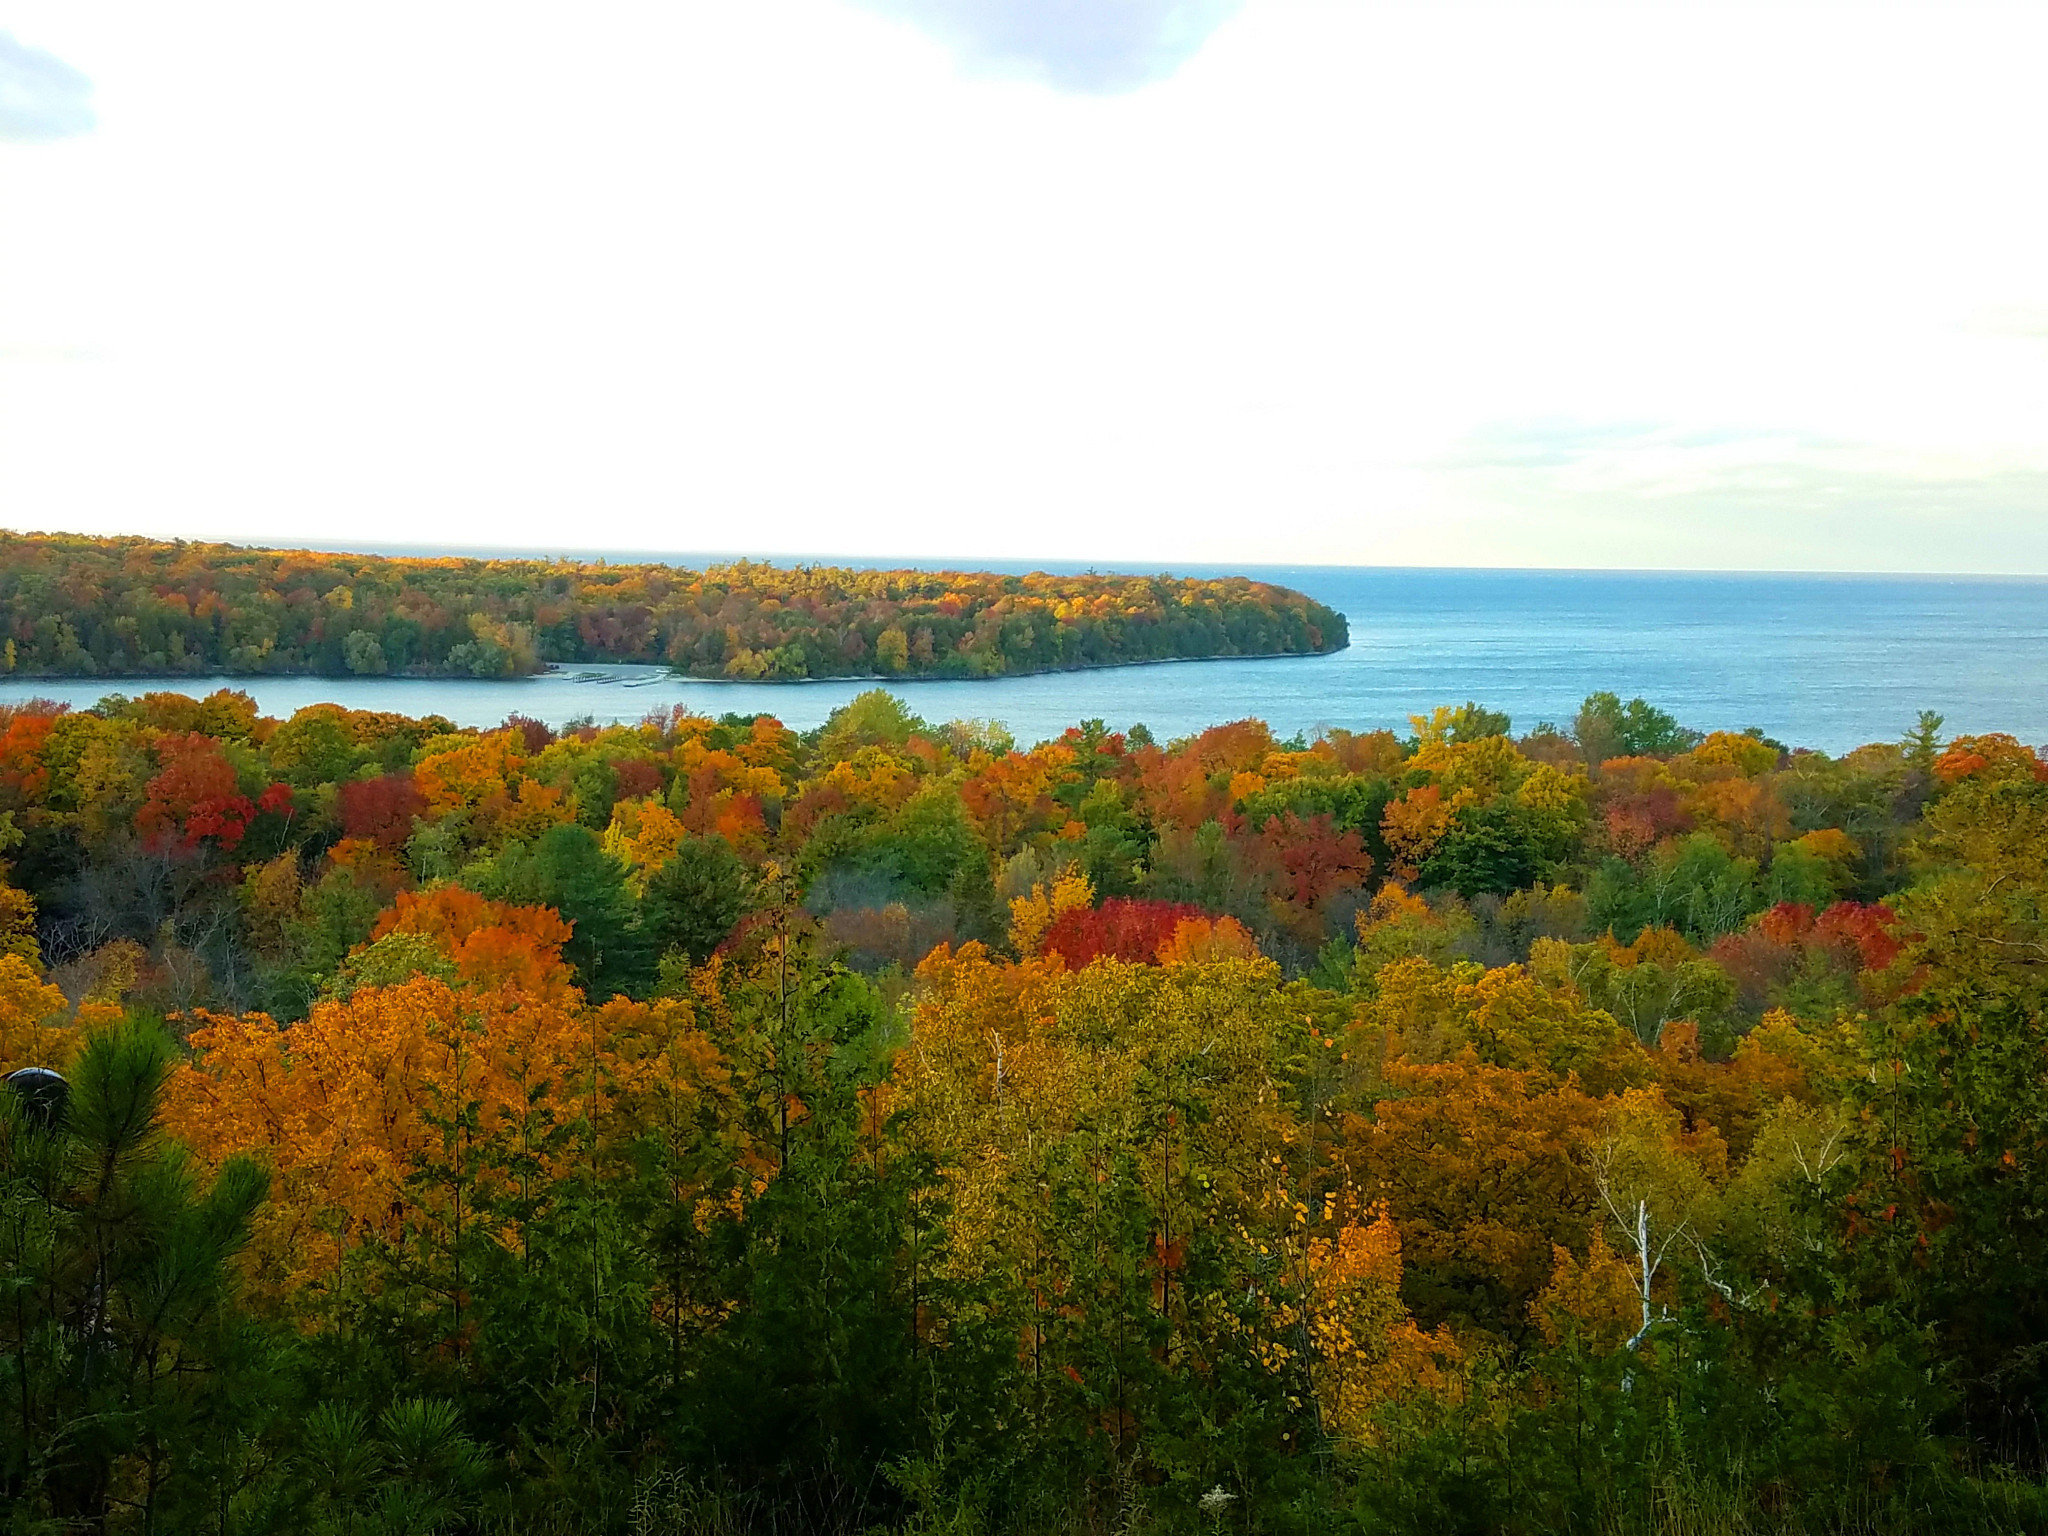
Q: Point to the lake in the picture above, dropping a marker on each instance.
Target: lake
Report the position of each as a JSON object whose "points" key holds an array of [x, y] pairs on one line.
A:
{"points": [[1826, 661]]}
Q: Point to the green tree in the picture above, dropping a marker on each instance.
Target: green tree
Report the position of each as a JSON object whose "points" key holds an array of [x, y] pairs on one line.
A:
{"points": [[694, 899], [1692, 884], [1491, 848], [1947, 1199], [1472, 722], [924, 845], [1800, 875], [1114, 851], [568, 869], [1606, 727], [876, 718], [822, 1372], [1923, 742], [132, 1376], [312, 748], [364, 654]]}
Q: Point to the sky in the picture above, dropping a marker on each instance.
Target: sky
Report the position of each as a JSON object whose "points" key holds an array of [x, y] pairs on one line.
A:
{"points": [[1140, 282]]}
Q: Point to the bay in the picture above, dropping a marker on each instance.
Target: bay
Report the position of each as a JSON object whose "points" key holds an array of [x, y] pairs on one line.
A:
{"points": [[1813, 660]]}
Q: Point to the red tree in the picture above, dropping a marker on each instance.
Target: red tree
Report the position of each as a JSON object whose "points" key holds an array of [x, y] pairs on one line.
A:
{"points": [[381, 810], [1121, 928]]}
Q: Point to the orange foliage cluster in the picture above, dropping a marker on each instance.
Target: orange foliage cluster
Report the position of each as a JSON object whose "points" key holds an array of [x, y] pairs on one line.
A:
{"points": [[354, 1104]]}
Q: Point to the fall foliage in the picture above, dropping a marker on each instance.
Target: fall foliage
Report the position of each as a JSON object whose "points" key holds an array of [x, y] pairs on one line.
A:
{"points": [[889, 1127], [103, 607]]}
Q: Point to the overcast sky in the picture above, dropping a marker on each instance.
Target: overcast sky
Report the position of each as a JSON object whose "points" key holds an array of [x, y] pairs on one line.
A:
{"points": [[1133, 281]]}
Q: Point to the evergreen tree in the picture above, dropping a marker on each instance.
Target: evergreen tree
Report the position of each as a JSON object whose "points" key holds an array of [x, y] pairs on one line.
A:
{"points": [[568, 869], [132, 1389], [694, 899]]}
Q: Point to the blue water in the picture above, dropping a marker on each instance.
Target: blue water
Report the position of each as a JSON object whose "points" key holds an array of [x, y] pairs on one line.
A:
{"points": [[1825, 661]]}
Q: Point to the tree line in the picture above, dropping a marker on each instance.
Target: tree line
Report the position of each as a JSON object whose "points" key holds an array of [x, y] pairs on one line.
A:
{"points": [[74, 606], [701, 1125]]}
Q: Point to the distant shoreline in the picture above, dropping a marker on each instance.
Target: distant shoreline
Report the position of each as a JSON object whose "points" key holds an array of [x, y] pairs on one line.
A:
{"points": [[997, 677], [121, 607], [661, 673], [1833, 663]]}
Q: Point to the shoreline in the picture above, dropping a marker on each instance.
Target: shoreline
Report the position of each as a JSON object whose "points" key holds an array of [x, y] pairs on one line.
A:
{"points": [[661, 671], [996, 677]]}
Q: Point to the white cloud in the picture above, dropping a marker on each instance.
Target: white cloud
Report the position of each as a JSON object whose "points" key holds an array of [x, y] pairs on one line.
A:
{"points": [[41, 97], [1076, 45], [2018, 321], [1744, 499], [780, 277]]}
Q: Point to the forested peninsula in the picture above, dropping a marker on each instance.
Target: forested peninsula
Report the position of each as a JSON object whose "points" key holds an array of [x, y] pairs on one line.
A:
{"points": [[75, 606]]}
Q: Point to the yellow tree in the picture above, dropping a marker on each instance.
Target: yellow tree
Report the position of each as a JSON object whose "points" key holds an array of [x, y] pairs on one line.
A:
{"points": [[1658, 1188], [1367, 1348], [1130, 1185], [33, 1029], [1033, 915]]}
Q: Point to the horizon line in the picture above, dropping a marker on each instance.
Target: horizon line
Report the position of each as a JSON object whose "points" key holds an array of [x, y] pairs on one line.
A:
{"points": [[699, 559]]}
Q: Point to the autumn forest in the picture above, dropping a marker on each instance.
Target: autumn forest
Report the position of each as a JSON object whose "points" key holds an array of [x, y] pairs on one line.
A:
{"points": [[74, 606], [703, 1126]]}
